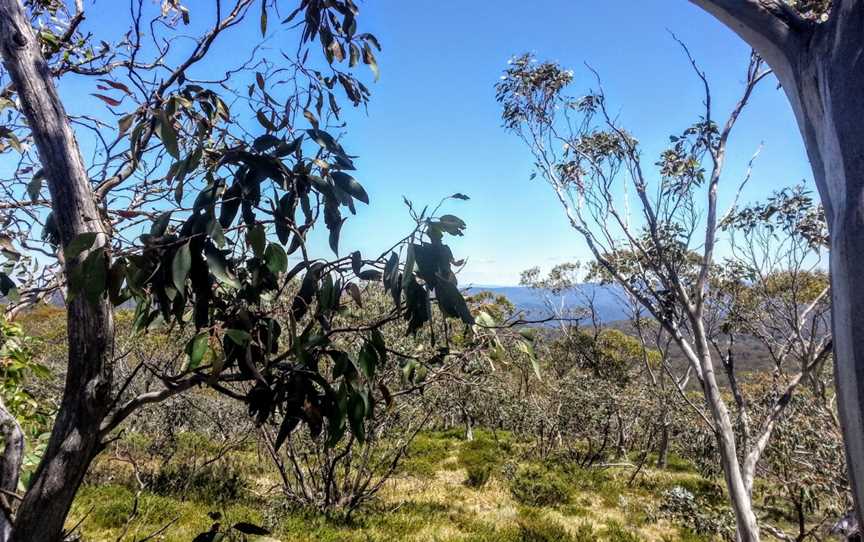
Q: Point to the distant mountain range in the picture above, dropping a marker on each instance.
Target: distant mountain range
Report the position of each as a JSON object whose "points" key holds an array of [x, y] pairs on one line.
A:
{"points": [[610, 310], [607, 300]]}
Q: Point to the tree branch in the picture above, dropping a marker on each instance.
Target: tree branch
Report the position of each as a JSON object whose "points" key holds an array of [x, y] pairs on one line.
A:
{"points": [[772, 27]]}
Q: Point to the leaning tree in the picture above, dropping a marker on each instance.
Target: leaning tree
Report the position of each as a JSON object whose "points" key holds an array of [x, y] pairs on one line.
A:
{"points": [[187, 187], [815, 48]]}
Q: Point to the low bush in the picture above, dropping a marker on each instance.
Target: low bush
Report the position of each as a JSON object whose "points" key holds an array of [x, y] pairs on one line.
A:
{"points": [[480, 457], [535, 485], [426, 453], [696, 514], [477, 475], [217, 483], [534, 527]]}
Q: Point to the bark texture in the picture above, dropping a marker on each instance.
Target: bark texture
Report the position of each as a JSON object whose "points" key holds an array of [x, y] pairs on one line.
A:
{"points": [[821, 68], [10, 467], [75, 438]]}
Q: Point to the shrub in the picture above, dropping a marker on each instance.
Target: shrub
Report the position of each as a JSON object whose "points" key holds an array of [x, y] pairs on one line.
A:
{"points": [[532, 527], [535, 485], [426, 453], [695, 513], [480, 457], [478, 475], [211, 484]]}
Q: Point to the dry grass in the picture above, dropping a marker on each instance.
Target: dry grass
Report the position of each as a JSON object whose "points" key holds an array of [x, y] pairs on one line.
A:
{"points": [[411, 508]]}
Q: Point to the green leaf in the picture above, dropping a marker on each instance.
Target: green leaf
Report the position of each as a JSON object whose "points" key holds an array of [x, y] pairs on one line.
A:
{"points": [[417, 310], [350, 185], [328, 294], [451, 302], [451, 224], [116, 276], [325, 140], [265, 142], [289, 423], [333, 237], [284, 149], [354, 292], [264, 121], [180, 267], [196, 348], [34, 187], [125, 123], [369, 60], [231, 200], [368, 360], [81, 242], [357, 416], [94, 273], [342, 364], [239, 336], [219, 268], [263, 33], [160, 225], [408, 273], [257, 239], [165, 131], [217, 234], [276, 259], [356, 262]]}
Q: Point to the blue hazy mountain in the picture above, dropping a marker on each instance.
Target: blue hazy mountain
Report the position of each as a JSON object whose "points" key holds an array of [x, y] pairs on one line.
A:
{"points": [[607, 300]]}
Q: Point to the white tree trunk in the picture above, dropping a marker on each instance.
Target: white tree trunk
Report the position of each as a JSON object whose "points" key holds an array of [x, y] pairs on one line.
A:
{"points": [[747, 528], [10, 466], [821, 68]]}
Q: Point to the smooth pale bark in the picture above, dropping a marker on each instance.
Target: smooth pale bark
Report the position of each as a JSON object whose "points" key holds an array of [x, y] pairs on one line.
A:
{"points": [[75, 437], [747, 528], [10, 466], [821, 69]]}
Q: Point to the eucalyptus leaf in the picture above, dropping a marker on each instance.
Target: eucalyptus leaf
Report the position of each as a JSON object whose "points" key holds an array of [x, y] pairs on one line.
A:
{"points": [[180, 266]]}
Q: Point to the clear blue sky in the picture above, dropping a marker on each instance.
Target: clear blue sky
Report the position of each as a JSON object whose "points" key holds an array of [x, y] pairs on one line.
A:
{"points": [[433, 125]]}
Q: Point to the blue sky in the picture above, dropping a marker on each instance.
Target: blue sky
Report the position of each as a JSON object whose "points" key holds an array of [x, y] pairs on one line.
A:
{"points": [[433, 126]]}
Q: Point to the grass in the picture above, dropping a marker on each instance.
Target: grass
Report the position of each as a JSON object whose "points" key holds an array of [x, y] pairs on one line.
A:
{"points": [[104, 512], [432, 498]]}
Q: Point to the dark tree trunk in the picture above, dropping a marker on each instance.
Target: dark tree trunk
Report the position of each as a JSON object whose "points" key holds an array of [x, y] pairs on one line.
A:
{"points": [[821, 68], [75, 437]]}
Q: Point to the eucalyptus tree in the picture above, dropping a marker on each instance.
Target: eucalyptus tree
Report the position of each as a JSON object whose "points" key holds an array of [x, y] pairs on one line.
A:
{"points": [[815, 47], [663, 254], [187, 192]]}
